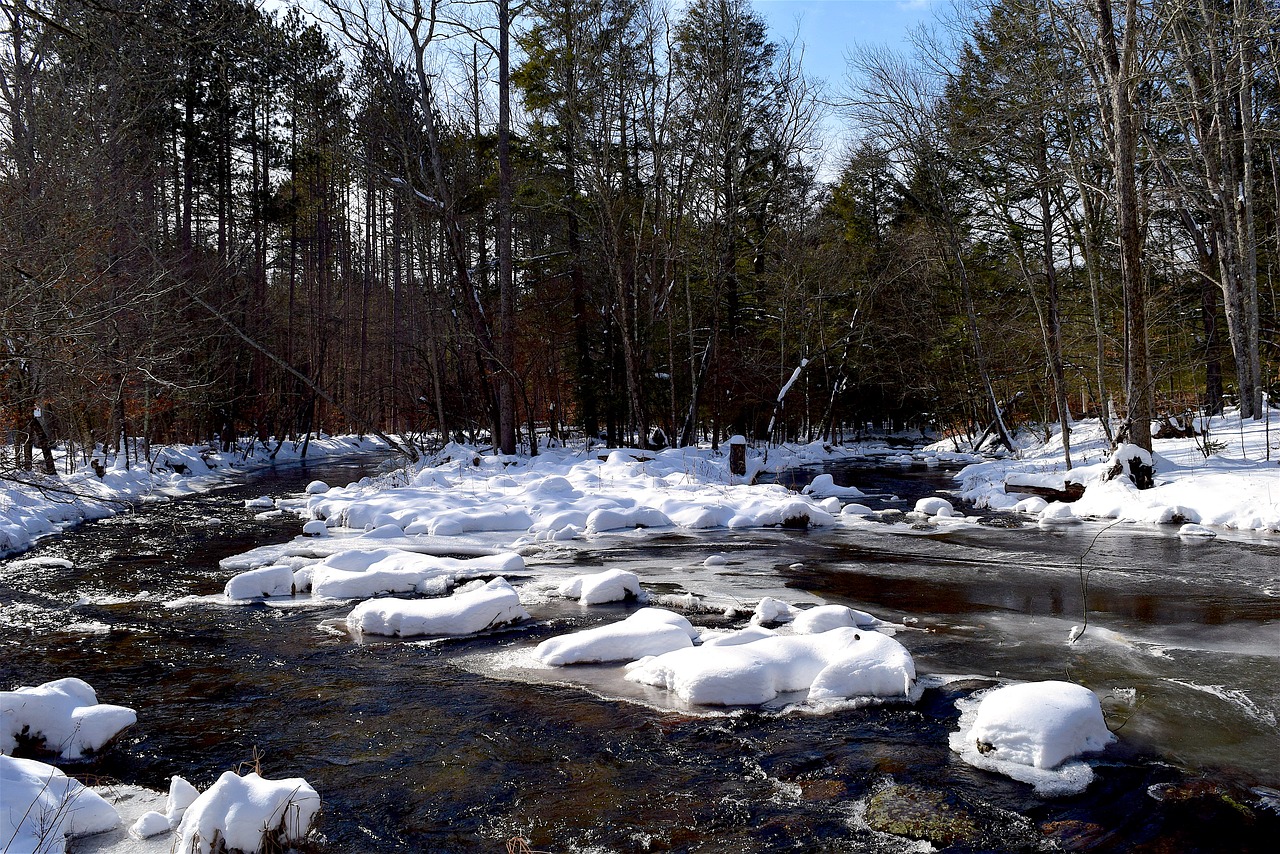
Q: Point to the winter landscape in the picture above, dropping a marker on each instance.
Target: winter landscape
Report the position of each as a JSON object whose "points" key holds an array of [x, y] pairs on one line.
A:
{"points": [[622, 426]]}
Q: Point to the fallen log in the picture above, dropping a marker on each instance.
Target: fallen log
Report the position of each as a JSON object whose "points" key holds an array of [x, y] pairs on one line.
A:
{"points": [[1045, 487]]}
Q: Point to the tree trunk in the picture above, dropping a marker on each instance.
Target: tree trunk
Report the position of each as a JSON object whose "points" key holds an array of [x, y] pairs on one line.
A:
{"points": [[1118, 65]]}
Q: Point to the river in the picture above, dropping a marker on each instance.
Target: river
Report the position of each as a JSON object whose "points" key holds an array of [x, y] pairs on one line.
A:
{"points": [[429, 747]]}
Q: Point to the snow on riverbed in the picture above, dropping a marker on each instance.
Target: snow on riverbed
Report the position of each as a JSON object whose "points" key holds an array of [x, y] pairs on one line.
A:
{"points": [[1224, 477], [36, 505]]}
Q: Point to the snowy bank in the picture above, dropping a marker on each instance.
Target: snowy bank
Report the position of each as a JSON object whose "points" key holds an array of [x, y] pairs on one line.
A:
{"points": [[1225, 476], [36, 505], [41, 806]]}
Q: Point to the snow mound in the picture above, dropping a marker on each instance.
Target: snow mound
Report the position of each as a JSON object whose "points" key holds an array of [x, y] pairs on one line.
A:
{"points": [[824, 486], [856, 510], [649, 631], [1058, 513], [315, 528], [248, 814], [65, 714], [149, 824], [839, 664], [1196, 532], [181, 795], [612, 585], [260, 583], [711, 637], [935, 507], [1031, 732], [772, 610], [360, 574], [470, 610], [824, 618], [317, 487], [42, 806]]}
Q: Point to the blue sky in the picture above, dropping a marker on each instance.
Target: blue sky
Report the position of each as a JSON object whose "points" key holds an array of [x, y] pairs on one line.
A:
{"points": [[828, 27]]}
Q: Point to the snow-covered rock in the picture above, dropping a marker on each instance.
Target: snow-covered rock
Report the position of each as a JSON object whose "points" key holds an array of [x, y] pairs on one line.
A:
{"points": [[649, 631], [824, 486], [317, 487], [64, 714], [837, 664], [40, 807], [150, 823], [260, 583], [248, 814], [1032, 731], [935, 506], [360, 573], [770, 610], [824, 618], [469, 610], [612, 585], [315, 528], [181, 795], [1058, 513]]}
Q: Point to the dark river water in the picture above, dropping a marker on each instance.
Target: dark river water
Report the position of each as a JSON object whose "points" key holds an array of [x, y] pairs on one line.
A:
{"points": [[413, 747]]}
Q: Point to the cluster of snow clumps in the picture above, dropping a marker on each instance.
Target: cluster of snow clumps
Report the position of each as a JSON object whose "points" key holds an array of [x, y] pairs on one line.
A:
{"points": [[41, 807]]}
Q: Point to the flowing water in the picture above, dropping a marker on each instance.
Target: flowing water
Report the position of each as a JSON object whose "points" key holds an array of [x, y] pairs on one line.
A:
{"points": [[441, 747]]}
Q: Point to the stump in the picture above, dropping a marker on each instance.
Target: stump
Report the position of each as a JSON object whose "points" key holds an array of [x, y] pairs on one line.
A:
{"points": [[738, 456]]}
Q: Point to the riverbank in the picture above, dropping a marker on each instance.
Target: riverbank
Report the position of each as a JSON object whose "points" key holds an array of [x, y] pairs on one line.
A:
{"points": [[33, 505], [1222, 474]]}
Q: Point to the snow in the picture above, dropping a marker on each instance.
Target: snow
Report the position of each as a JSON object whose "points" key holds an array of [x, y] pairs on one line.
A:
{"points": [[41, 806], [935, 506], [249, 814], [824, 618], [360, 574], [315, 528], [771, 610], [181, 795], [471, 609], [837, 664], [824, 486], [1225, 477], [567, 493], [612, 585], [34, 505], [260, 583], [150, 824], [64, 714], [1034, 732], [649, 631]]}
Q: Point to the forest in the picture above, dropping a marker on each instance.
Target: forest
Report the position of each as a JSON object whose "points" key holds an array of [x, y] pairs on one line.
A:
{"points": [[522, 222]]}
